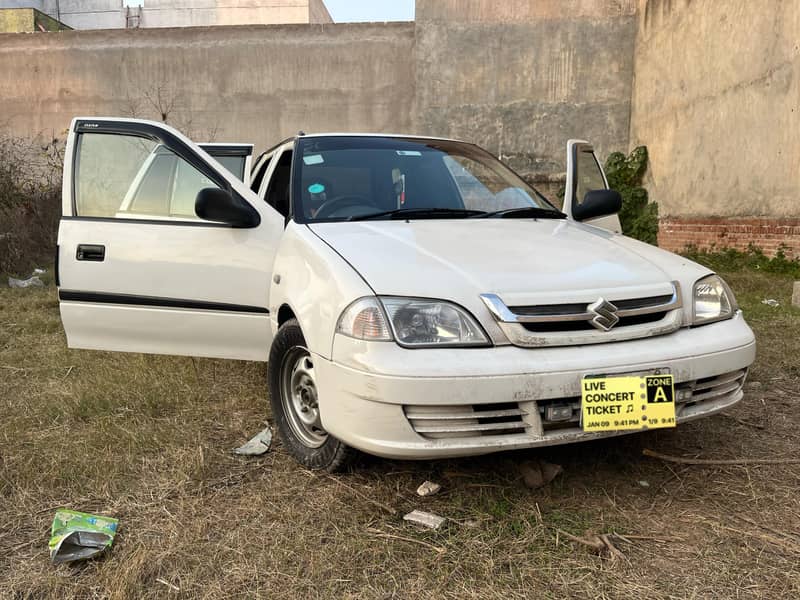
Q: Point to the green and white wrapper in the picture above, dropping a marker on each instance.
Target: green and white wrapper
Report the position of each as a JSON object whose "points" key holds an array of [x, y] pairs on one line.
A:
{"points": [[78, 536]]}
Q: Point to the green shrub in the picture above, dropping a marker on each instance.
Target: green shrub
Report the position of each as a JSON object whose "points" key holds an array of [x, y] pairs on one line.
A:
{"points": [[639, 217], [728, 259]]}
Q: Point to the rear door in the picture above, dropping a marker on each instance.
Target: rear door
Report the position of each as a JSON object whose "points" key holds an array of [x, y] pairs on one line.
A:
{"points": [[584, 174], [237, 158], [137, 269]]}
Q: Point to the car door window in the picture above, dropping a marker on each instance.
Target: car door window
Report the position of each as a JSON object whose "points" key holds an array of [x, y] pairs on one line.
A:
{"points": [[234, 164], [152, 195], [188, 182], [106, 167], [130, 177], [278, 191], [258, 176], [589, 175]]}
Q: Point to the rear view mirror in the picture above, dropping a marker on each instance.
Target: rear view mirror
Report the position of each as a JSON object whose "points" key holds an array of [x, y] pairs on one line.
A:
{"points": [[215, 204], [597, 203]]}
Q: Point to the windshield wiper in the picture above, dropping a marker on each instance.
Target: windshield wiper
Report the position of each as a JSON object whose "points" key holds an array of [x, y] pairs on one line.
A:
{"points": [[411, 213], [524, 212]]}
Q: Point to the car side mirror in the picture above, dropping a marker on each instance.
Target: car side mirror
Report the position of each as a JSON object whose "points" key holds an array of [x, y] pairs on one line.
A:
{"points": [[597, 203], [215, 204]]}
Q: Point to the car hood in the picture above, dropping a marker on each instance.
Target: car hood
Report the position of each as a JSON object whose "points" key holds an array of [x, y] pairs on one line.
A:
{"points": [[524, 261]]}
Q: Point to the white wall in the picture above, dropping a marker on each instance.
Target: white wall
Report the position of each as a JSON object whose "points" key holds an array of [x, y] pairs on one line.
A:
{"points": [[110, 14]]}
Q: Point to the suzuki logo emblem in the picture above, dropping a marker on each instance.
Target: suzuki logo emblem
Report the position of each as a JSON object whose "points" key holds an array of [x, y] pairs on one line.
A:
{"points": [[605, 314]]}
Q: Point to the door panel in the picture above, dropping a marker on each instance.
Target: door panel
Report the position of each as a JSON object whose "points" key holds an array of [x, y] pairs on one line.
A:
{"points": [[165, 282], [585, 174]]}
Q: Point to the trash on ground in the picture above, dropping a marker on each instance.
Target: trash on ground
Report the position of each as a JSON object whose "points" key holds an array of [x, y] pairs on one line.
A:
{"points": [[644, 483], [600, 544], [78, 536], [426, 519], [770, 302], [25, 283], [257, 445], [428, 488], [39, 271], [538, 473]]}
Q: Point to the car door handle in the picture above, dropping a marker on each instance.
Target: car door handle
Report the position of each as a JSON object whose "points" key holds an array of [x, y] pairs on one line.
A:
{"points": [[92, 252]]}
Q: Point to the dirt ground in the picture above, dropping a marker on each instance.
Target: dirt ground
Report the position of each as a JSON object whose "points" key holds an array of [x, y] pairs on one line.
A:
{"points": [[148, 439]]}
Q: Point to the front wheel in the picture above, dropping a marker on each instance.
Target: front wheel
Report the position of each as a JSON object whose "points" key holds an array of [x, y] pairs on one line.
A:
{"points": [[294, 398]]}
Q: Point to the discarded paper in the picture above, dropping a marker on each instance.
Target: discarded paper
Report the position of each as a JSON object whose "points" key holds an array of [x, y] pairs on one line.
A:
{"points": [[32, 281], [428, 488], [426, 519], [25, 283], [78, 536], [770, 302], [257, 445], [538, 473]]}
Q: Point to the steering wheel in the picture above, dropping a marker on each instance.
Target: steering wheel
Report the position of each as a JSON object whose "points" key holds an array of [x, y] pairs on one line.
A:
{"points": [[329, 207]]}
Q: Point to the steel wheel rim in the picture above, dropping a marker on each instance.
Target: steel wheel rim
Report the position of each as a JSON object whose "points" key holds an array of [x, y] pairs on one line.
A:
{"points": [[299, 397]]}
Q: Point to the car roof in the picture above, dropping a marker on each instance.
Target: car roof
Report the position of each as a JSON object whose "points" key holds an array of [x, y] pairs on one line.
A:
{"points": [[302, 134], [379, 135]]}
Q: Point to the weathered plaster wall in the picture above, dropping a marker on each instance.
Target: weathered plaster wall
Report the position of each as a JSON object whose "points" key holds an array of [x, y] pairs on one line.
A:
{"points": [[520, 77], [716, 99], [255, 84]]}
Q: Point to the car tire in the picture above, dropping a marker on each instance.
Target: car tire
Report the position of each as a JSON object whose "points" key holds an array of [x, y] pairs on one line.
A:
{"points": [[295, 409]]}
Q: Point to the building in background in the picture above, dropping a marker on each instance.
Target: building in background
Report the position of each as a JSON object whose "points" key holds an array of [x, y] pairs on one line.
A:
{"points": [[121, 14], [27, 20]]}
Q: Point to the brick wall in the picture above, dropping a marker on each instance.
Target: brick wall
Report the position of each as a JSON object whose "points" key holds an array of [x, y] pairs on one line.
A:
{"points": [[765, 233]]}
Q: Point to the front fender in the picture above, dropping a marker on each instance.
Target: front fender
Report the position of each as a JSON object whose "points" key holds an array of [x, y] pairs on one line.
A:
{"points": [[316, 283]]}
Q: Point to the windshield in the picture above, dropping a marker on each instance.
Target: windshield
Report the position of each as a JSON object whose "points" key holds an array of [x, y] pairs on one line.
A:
{"points": [[348, 178]]}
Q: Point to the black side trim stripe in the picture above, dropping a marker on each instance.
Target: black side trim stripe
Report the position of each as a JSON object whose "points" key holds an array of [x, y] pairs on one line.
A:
{"points": [[130, 300], [174, 223]]}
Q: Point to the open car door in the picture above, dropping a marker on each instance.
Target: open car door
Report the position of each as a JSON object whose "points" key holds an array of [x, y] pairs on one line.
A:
{"points": [[137, 269], [584, 175]]}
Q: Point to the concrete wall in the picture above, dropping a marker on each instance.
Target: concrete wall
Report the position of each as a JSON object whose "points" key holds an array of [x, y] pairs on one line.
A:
{"points": [[520, 77], [253, 84], [716, 99], [519, 82], [110, 14]]}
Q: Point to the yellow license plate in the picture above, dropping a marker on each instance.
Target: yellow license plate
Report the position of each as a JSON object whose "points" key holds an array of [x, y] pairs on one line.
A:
{"points": [[627, 402]]}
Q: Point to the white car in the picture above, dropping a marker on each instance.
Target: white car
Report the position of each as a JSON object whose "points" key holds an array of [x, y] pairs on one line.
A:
{"points": [[413, 296]]}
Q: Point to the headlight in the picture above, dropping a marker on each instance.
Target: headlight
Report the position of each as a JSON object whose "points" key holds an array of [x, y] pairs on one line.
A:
{"points": [[713, 300], [364, 320], [417, 322]]}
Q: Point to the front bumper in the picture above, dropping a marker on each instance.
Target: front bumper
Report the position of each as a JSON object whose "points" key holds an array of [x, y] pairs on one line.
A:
{"points": [[375, 396]]}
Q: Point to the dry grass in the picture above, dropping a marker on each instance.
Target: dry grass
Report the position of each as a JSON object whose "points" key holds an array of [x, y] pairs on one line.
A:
{"points": [[147, 439]]}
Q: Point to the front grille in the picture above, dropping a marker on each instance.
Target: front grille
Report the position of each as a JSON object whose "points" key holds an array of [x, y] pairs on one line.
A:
{"points": [[466, 420], [606, 320], [692, 395], [566, 309], [568, 326]]}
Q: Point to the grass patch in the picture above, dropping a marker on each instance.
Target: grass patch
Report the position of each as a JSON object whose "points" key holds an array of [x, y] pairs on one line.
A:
{"points": [[753, 259], [147, 439]]}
